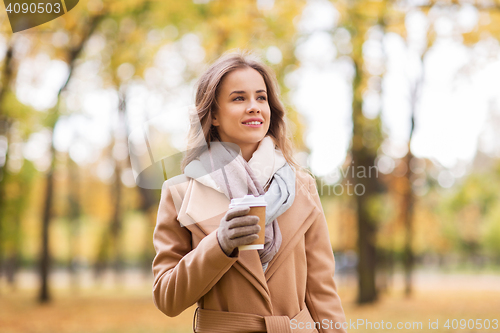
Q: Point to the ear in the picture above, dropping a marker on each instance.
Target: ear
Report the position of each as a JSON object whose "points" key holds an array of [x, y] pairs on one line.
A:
{"points": [[215, 121]]}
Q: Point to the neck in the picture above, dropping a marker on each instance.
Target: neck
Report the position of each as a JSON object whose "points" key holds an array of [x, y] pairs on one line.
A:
{"points": [[248, 150]]}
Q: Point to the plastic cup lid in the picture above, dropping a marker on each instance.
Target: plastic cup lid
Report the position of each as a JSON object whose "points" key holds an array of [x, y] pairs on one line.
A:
{"points": [[248, 200]]}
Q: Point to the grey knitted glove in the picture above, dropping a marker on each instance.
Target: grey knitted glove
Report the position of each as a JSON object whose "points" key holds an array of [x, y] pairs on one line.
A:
{"points": [[237, 229]]}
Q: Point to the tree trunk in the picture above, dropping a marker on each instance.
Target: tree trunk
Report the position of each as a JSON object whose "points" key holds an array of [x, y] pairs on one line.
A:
{"points": [[407, 207], [44, 264], [117, 221], [363, 159], [44, 294], [12, 256], [408, 195], [74, 220], [5, 123], [367, 250], [109, 246], [110, 240], [366, 140]]}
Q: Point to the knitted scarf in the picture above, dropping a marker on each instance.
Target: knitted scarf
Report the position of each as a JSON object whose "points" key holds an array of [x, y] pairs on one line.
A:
{"points": [[236, 178]]}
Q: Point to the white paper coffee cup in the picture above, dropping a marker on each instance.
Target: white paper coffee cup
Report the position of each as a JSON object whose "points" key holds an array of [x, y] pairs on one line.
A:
{"points": [[257, 207]]}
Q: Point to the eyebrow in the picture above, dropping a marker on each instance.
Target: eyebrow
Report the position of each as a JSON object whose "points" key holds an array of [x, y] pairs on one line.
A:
{"points": [[242, 92]]}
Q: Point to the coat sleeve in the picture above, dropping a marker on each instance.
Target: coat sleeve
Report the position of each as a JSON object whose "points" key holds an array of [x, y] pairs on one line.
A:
{"points": [[182, 275], [322, 299]]}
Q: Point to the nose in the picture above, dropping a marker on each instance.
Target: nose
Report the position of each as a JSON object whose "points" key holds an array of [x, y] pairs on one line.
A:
{"points": [[254, 106]]}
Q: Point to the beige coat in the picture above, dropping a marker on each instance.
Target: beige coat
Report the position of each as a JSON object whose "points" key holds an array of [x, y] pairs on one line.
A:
{"points": [[191, 267]]}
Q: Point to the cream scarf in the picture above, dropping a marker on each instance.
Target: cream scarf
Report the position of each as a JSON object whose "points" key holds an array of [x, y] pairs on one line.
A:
{"points": [[223, 169]]}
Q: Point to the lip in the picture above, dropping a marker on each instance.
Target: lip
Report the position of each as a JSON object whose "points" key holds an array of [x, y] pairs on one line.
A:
{"points": [[253, 119]]}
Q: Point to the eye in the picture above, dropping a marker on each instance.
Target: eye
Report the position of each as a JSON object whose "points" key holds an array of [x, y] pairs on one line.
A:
{"points": [[240, 98]]}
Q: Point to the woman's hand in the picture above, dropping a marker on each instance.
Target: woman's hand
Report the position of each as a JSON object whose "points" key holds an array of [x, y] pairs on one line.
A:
{"points": [[236, 229]]}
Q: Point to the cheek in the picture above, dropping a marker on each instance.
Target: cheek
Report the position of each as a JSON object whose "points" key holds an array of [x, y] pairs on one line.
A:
{"points": [[231, 122]]}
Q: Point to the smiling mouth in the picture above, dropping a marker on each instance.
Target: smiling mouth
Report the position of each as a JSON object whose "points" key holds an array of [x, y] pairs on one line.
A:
{"points": [[253, 123]]}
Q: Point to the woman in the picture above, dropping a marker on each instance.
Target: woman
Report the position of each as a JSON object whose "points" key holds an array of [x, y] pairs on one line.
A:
{"points": [[286, 287]]}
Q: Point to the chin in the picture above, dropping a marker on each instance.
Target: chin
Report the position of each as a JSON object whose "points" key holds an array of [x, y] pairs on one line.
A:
{"points": [[256, 139]]}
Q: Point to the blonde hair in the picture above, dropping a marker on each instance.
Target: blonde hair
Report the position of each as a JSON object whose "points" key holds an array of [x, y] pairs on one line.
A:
{"points": [[206, 103]]}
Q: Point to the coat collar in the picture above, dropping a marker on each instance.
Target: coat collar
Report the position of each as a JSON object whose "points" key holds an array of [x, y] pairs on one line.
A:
{"points": [[202, 217]]}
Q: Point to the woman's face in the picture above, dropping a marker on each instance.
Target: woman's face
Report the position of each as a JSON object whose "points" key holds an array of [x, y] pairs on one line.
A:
{"points": [[244, 114]]}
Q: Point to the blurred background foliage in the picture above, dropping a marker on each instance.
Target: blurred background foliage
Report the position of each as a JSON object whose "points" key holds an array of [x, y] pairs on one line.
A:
{"points": [[74, 89]]}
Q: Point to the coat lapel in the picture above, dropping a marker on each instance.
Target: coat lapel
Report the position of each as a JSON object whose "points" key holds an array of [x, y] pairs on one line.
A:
{"points": [[294, 222]]}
